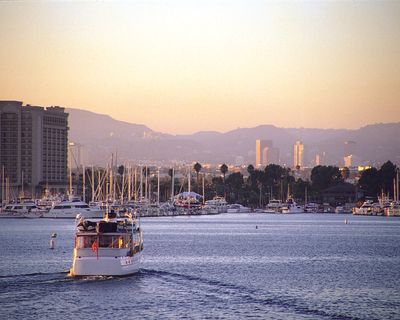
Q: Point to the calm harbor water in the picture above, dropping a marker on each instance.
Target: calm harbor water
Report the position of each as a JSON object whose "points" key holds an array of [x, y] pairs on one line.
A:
{"points": [[305, 266]]}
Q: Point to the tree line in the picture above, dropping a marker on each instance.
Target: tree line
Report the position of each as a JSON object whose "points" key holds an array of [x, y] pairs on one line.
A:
{"points": [[260, 185]]}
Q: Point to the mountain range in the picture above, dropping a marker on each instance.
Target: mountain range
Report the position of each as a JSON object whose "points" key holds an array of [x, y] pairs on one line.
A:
{"points": [[102, 135]]}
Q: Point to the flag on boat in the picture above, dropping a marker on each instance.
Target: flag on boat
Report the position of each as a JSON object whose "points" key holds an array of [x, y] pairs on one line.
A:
{"points": [[95, 248]]}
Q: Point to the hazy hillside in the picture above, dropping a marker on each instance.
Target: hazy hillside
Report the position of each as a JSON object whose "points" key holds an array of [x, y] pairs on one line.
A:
{"points": [[101, 135]]}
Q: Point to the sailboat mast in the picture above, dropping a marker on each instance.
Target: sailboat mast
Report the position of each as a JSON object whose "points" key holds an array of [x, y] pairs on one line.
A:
{"points": [[123, 186], [84, 184], [158, 186], [135, 185], [203, 189], [70, 177], [111, 183], [145, 183], [141, 184], [22, 184], [92, 184], [189, 186], [172, 183], [129, 182]]}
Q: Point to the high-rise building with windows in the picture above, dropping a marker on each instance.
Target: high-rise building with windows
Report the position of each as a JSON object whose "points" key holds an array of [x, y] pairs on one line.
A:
{"points": [[270, 156], [298, 154], [349, 148], [261, 145], [33, 146]]}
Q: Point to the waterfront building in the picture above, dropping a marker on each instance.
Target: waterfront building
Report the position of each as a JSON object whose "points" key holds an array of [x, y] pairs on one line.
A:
{"points": [[33, 147], [298, 154]]}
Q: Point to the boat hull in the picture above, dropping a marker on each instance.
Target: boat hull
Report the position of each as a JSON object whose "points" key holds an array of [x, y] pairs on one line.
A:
{"points": [[106, 266], [71, 214]]}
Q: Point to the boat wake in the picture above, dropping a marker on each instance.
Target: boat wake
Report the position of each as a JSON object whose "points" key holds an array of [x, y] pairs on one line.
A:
{"points": [[34, 274], [237, 294]]}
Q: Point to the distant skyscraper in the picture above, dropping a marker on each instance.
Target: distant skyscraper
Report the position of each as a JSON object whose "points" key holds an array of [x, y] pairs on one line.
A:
{"points": [[239, 161], [349, 148], [348, 161], [76, 155], [320, 159], [298, 154], [260, 146], [270, 156], [33, 145]]}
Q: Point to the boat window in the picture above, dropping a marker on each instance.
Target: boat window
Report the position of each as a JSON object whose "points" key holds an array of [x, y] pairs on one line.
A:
{"points": [[18, 207], [8, 208], [113, 242], [82, 206], [85, 241]]}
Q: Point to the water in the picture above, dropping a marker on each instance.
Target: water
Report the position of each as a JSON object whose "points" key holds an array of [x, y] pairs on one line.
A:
{"points": [[216, 267]]}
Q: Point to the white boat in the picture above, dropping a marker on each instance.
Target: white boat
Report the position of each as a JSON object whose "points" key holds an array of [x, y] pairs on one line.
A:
{"points": [[273, 206], [290, 206], [237, 208], [216, 205], [70, 209], [311, 207], [187, 200], [365, 209], [107, 247], [21, 210]]}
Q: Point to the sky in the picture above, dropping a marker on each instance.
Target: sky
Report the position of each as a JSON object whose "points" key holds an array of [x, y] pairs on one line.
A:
{"points": [[186, 66]]}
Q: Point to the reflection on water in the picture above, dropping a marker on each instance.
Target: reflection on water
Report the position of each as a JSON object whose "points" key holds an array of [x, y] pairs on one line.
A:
{"points": [[289, 267]]}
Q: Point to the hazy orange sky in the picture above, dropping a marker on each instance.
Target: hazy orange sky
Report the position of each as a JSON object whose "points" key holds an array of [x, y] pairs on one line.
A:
{"points": [[185, 66]]}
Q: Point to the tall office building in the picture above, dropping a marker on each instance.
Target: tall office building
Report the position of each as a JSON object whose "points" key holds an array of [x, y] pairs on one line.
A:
{"points": [[270, 156], [348, 161], [349, 148], [320, 159], [33, 146], [298, 154], [77, 157], [260, 146]]}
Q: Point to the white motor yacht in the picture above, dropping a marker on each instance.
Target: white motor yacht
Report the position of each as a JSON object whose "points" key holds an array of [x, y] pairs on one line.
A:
{"points": [[107, 247], [237, 208], [21, 210], [216, 205], [290, 206], [70, 209], [274, 206], [365, 209]]}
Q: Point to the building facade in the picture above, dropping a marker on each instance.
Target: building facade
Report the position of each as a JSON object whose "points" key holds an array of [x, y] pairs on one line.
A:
{"points": [[270, 156], [261, 146], [298, 154], [33, 148]]}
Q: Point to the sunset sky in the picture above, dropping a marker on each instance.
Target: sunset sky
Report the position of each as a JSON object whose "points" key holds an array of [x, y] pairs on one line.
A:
{"points": [[186, 66]]}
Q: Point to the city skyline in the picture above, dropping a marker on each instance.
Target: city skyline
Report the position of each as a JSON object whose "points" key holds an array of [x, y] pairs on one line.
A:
{"points": [[181, 67]]}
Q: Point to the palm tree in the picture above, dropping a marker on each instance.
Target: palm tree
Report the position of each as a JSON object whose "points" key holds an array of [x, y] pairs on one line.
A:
{"points": [[197, 167], [224, 170]]}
